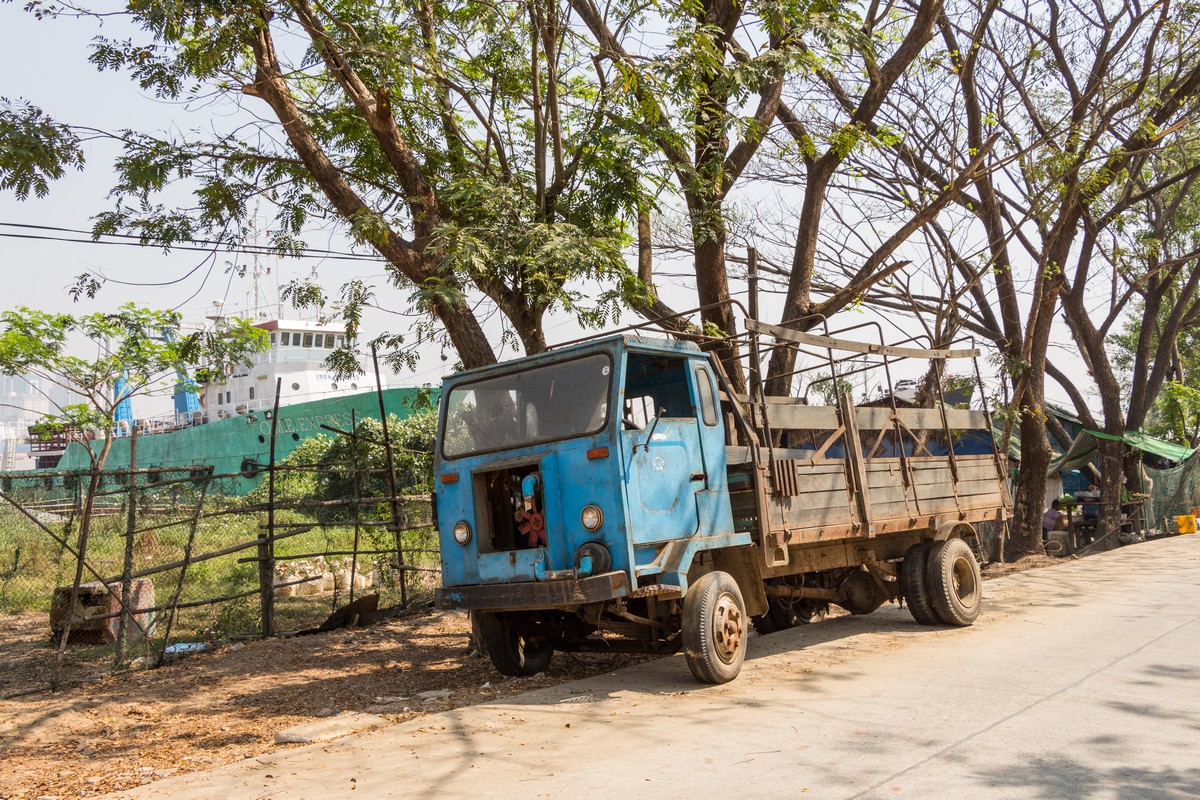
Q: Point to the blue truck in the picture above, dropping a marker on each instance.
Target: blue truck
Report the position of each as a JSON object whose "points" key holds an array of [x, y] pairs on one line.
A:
{"points": [[618, 495]]}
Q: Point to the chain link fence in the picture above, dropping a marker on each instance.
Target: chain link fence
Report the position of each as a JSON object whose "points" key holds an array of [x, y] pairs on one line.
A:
{"points": [[1173, 492], [124, 568]]}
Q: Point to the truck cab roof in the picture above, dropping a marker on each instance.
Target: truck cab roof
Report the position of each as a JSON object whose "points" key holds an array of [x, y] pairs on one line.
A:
{"points": [[608, 344]]}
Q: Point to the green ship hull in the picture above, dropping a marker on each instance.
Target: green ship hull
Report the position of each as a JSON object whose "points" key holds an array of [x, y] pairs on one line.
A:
{"points": [[240, 447]]}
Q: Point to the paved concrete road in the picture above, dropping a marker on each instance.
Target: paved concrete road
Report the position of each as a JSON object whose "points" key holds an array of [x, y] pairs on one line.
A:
{"points": [[1080, 681]]}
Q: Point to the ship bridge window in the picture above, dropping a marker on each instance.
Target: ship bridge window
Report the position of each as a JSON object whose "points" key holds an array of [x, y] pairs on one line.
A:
{"points": [[273, 337], [284, 339], [341, 340], [308, 340], [329, 341]]}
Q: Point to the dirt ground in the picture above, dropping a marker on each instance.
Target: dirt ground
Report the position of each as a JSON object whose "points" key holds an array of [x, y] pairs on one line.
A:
{"points": [[216, 707]]}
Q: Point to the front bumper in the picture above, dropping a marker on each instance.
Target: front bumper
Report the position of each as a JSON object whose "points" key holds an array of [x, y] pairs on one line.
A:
{"points": [[534, 595]]}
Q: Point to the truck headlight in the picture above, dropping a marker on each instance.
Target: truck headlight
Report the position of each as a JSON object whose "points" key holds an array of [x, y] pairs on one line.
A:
{"points": [[462, 532], [591, 518]]}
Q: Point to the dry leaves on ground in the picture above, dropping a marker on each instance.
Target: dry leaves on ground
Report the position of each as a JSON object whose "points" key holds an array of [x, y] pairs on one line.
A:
{"points": [[220, 706], [216, 707]]}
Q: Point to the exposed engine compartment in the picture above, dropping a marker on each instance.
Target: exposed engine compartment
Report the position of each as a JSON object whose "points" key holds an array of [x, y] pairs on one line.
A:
{"points": [[510, 509]]}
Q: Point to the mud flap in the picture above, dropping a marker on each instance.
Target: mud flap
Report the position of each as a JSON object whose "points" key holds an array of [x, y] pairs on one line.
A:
{"points": [[742, 564]]}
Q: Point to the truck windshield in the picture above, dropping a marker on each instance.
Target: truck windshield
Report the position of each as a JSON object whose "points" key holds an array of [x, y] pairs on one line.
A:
{"points": [[540, 404]]}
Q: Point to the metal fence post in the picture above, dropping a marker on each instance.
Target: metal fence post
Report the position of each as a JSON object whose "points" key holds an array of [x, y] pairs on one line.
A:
{"points": [[357, 484], [391, 476], [127, 564], [266, 544]]}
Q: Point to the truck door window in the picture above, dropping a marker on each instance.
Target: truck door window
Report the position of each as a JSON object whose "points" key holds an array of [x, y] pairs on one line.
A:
{"points": [[655, 383], [708, 404]]}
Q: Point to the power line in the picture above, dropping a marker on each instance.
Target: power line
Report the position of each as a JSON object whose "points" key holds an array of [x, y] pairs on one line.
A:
{"points": [[196, 245]]}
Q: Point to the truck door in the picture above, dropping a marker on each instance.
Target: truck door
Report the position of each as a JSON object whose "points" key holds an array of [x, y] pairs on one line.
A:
{"points": [[662, 450], [712, 497]]}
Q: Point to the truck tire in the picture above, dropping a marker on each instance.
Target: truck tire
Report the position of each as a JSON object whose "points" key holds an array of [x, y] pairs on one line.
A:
{"points": [[955, 583], [714, 628], [511, 652], [915, 586]]}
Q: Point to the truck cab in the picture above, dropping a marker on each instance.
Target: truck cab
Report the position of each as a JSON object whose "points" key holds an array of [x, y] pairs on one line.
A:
{"points": [[563, 479]]}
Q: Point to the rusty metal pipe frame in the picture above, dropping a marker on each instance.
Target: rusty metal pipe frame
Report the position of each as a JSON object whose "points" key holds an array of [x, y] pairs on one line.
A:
{"points": [[804, 592]]}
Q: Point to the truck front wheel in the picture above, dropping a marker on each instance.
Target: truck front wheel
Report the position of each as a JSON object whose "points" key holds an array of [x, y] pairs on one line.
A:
{"points": [[714, 628], [512, 652]]}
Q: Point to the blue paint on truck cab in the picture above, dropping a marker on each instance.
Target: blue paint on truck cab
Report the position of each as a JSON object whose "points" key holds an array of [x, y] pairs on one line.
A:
{"points": [[571, 478]]}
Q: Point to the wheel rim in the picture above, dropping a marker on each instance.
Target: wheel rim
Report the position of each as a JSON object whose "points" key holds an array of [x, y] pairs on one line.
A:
{"points": [[966, 586], [729, 627]]}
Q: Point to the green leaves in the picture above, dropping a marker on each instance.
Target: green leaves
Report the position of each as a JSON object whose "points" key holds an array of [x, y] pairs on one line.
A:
{"points": [[137, 345], [412, 449], [34, 149]]}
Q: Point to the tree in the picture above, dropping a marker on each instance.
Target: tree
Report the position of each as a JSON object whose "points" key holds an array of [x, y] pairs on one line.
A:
{"points": [[709, 100], [690, 100], [466, 143], [137, 350], [1083, 99], [859, 95], [1173, 412]]}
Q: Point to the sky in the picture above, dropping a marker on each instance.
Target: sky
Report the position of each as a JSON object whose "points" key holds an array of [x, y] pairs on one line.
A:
{"points": [[46, 63], [38, 271]]}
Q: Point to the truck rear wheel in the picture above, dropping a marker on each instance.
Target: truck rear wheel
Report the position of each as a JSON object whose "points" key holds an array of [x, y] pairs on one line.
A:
{"points": [[513, 653], [955, 583], [915, 586], [714, 628]]}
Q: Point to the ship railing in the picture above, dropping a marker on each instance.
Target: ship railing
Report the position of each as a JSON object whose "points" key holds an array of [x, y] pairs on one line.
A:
{"points": [[292, 354]]}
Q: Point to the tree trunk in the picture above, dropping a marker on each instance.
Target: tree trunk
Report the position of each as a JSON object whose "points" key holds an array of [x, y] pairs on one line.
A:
{"points": [[1108, 525], [1029, 396], [799, 296], [712, 284], [1030, 500]]}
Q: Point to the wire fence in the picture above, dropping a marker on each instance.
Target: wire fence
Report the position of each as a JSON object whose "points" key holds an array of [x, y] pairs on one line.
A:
{"points": [[105, 570]]}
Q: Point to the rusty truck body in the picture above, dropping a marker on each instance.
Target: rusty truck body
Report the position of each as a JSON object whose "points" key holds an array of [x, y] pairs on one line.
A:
{"points": [[619, 495]]}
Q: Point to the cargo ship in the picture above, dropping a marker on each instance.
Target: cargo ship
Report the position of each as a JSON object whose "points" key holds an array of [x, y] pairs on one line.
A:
{"points": [[226, 424]]}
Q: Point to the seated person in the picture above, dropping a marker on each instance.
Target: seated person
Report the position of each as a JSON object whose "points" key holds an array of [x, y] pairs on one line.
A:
{"points": [[1055, 519]]}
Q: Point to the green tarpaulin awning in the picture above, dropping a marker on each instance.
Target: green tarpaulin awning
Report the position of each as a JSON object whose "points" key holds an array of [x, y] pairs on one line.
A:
{"points": [[1083, 449]]}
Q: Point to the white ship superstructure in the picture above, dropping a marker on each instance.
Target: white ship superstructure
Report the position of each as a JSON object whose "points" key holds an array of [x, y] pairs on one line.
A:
{"points": [[297, 355]]}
